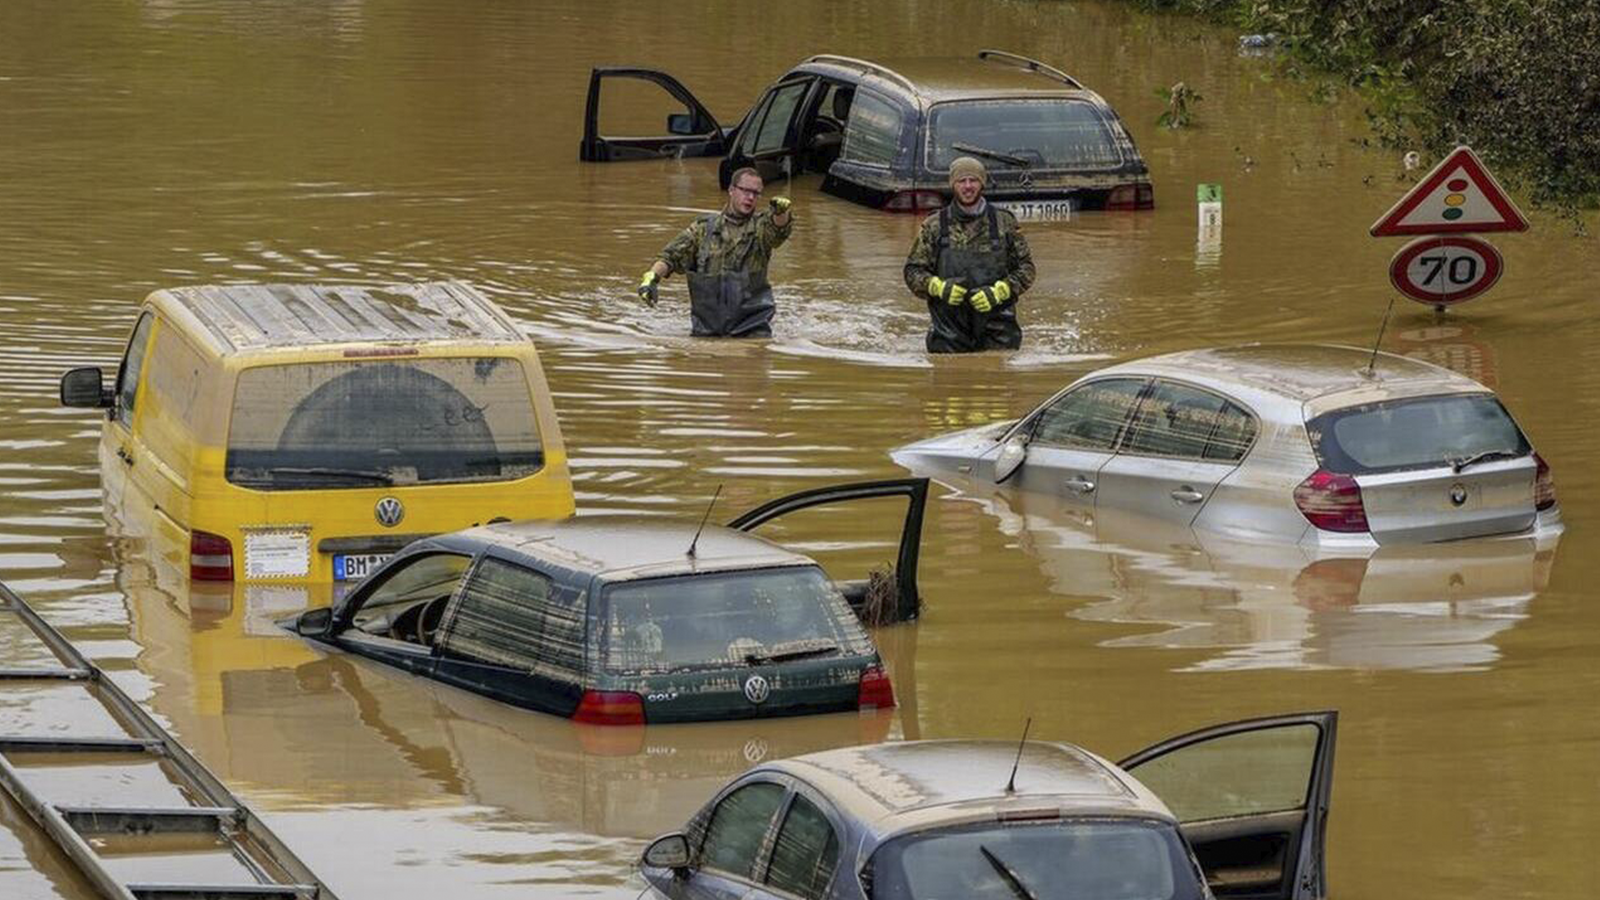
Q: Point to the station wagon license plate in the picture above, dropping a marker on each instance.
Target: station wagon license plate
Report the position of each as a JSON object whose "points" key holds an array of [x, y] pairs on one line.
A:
{"points": [[1039, 210], [356, 566]]}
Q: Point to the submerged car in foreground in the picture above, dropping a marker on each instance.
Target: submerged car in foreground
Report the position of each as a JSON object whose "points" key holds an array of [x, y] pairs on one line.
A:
{"points": [[1238, 810], [628, 620], [1322, 445], [884, 133]]}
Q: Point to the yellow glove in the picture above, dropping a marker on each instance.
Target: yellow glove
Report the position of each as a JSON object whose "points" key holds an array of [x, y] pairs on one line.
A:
{"points": [[648, 285], [950, 292], [985, 299], [780, 205]]}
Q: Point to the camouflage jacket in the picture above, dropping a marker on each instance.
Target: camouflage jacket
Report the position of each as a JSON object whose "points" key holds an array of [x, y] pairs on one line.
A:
{"points": [[736, 246], [923, 262]]}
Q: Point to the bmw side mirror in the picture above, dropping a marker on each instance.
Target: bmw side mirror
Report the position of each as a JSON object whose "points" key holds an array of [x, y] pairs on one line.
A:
{"points": [[314, 622], [85, 388], [1012, 453], [670, 851], [680, 123]]}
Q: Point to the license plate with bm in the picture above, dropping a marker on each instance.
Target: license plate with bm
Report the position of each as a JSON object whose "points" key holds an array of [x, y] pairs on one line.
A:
{"points": [[356, 566]]}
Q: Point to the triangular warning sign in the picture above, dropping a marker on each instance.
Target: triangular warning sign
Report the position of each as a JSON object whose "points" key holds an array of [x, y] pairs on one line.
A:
{"points": [[1458, 196]]}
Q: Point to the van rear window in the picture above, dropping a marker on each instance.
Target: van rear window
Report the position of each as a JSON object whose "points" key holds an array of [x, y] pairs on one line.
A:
{"points": [[1052, 134], [382, 422], [1421, 432]]}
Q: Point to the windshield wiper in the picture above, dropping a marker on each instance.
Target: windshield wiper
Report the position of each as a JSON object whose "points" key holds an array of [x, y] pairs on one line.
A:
{"points": [[993, 154], [753, 657], [364, 474], [1457, 465], [1017, 887]]}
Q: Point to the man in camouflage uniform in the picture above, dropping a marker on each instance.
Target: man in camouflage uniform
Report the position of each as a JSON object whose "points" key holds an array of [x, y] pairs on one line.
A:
{"points": [[972, 263], [724, 256]]}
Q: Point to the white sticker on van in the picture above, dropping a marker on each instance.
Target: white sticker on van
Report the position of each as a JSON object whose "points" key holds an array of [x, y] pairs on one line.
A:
{"points": [[277, 554]]}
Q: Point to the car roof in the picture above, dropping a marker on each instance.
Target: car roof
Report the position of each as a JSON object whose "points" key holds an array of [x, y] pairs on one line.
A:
{"points": [[938, 79], [621, 548], [1322, 376], [909, 785], [242, 317]]}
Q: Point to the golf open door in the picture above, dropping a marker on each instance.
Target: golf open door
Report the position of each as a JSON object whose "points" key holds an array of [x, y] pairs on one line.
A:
{"points": [[1252, 799]]}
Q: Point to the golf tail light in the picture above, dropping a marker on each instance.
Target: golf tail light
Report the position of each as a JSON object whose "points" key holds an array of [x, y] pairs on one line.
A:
{"points": [[1331, 502], [914, 201], [610, 708], [1131, 196], [210, 557], [875, 692], [1544, 487]]}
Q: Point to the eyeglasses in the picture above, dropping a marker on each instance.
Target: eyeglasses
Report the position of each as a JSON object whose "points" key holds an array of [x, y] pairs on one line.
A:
{"points": [[753, 192]]}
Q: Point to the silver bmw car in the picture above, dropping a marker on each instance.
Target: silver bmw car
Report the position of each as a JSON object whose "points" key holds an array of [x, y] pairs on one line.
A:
{"points": [[1316, 444]]}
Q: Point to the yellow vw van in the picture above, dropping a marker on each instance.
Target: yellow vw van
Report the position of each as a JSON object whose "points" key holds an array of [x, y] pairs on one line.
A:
{"points": [[302, 433]]}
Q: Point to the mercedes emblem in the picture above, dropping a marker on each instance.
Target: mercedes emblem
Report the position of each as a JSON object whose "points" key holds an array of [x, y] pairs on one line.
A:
{"points": [[1458, 493], [1025, 180], [389, 512], [756, 689]]}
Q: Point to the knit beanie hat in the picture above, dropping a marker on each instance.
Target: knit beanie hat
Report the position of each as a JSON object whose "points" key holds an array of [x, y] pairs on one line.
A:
{"points": [[966, 165]]}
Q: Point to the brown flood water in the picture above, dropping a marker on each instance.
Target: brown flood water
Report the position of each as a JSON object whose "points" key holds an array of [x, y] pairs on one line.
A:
{"points": [[154, 143]]}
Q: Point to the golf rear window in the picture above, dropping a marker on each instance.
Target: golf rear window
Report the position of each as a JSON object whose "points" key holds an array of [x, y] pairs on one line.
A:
{"points": [[1045, 133], [1416, 433]]}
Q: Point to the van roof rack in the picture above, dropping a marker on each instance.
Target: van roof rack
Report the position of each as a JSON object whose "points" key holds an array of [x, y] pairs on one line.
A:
{"points": [[866, 67], [1031, 64]]}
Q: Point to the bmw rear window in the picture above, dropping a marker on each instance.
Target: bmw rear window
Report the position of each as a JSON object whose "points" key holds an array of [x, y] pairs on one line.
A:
{"points": [[1050, 133], [1416, 433]]}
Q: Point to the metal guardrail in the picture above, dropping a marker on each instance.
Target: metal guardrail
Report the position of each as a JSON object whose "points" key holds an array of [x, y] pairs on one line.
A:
{"points": [[269, 868]]}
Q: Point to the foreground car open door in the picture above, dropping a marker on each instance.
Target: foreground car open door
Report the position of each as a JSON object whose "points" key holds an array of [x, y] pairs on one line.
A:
{"points": [[1252, 799], [691, 130]]}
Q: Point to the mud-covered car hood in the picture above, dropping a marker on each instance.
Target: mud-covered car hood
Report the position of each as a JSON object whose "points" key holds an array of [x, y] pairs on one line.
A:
{"points": [[962, 453]]}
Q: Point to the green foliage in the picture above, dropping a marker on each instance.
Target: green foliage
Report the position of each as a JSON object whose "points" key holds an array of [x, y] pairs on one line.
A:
{"points": [[1519, 80], [1178, 98]]}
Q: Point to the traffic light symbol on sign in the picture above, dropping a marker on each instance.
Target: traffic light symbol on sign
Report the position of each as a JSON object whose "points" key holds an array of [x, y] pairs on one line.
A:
{"points": [[1458, 196]]}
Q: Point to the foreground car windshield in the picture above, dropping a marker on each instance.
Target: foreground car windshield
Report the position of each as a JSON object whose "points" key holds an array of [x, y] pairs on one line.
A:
{"points": [[728, 619], [1048, 134], [1103, 859], [1418, 433], [365, 423]]}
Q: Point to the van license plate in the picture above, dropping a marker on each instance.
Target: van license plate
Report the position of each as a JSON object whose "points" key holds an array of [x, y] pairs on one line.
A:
{"points": [[1039, 210], [355, 567]]}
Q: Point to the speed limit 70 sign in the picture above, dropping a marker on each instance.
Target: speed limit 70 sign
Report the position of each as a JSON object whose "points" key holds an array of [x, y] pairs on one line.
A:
{"points": [[1441, 270]]}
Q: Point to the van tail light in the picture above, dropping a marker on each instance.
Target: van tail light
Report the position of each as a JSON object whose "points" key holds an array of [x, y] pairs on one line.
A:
{"points": [[210, 557], [610, 708], [875, 692], [1331, 502], [1544, 487], [1132, 196], [914, 201]]}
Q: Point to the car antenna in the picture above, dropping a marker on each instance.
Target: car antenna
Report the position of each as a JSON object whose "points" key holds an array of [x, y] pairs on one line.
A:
{"points": [[1011, 783], [714, 495], [1381, 326]]}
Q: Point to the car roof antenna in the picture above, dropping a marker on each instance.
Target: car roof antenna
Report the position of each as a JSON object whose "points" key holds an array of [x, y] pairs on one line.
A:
{"points": [[1011, 783], [703, 519], [1383, 325]]}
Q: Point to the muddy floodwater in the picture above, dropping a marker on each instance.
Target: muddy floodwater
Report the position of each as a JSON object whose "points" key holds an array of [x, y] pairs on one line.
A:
{"points": [[150, 143]]}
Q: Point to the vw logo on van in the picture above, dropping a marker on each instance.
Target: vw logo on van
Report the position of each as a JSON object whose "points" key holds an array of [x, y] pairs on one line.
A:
{"points": [[1458, 493], [389, 512], [756, 689]]}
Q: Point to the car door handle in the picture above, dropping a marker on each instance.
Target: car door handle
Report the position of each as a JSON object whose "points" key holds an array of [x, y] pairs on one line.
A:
{"points": [[1187, 495], [125, 456], [1079, 485]]}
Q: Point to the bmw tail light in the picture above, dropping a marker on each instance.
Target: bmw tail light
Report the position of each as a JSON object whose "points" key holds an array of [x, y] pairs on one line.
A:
{"points": [[1332, 502], [610, 708], [1544, 487], [914, 201], [1131, 196], [875, 691], [210, 557]]}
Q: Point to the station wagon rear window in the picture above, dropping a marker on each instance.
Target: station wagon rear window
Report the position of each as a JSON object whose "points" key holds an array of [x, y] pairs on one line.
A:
{"points": [[730, 619], [382, 422], [1417, 433], [1045, 133]]}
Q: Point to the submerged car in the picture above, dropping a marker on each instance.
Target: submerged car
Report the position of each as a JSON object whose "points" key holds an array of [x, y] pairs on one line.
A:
{"points": [[1241, 807], [620, 620], [884, 134], [1323, 445]]}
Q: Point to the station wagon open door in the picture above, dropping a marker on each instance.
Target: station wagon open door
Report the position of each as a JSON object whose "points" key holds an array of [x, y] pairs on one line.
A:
{"points": [[1252, 799], [691, 130]]}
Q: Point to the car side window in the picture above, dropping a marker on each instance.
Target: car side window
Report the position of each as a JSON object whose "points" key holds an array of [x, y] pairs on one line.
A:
{"points": [[774, 128], [806, 852], [872, 133], [398, 603], [1249, 773], [511, 615], [132, 365], [1174, 420], [1090, 416], [1235, 432], [738, 826]]}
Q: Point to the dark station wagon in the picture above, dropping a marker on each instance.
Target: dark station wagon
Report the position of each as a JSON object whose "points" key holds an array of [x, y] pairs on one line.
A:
{"points": [[885, 134], [623, 620]]}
